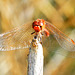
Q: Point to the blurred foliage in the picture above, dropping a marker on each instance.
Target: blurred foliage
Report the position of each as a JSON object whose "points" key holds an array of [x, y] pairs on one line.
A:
{"points": [[60, 13]]}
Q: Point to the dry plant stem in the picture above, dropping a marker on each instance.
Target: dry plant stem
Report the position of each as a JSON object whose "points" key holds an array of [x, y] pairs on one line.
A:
{"points": [[35, 59]]}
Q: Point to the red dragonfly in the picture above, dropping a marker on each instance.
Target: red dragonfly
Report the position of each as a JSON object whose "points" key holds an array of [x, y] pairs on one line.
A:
{"points": [[21, 37]]}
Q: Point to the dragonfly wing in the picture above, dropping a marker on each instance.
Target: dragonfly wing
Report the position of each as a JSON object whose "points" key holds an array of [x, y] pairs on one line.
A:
{"points": [[63, 40], [18, 38]]}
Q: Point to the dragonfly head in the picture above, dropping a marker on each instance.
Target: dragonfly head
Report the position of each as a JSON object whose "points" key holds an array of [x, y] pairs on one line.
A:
{"points": [[38, 25]]}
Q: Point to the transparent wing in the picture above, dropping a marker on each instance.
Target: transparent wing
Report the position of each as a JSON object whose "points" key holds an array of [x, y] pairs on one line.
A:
{"points": [[18, 38], [63, 40]]}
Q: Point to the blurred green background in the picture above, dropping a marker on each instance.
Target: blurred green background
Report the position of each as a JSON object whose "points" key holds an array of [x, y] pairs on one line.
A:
{"points": [[61, 13]]}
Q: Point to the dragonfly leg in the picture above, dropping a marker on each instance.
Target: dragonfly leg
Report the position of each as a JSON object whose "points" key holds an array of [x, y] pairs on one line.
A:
{"points": [[32, 33]]}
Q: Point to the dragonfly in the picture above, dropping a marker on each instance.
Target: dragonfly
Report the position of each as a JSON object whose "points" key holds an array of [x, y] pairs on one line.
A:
{"points": [[21, 37]]}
